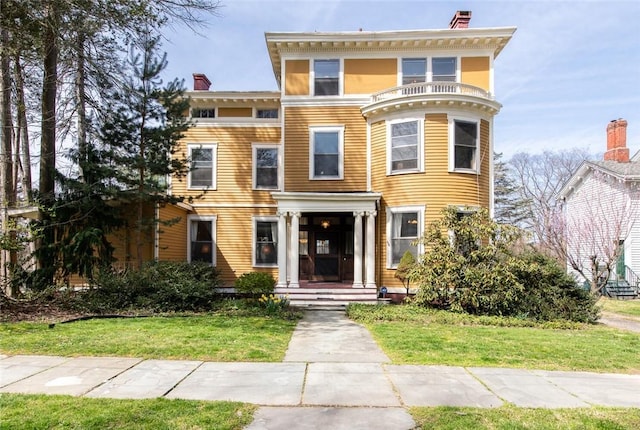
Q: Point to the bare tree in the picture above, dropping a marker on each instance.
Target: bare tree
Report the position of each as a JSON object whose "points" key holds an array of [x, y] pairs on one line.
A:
{"points": [[597, 217], [539, 178]]}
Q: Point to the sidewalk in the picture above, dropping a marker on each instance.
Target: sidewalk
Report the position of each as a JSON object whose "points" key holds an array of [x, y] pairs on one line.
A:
{"points": [[333, 376]]}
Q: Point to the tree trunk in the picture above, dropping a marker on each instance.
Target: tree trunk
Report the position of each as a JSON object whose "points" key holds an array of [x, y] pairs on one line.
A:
{"points": [[6, 153], [23, 132], [81, 97], [49, 89]]}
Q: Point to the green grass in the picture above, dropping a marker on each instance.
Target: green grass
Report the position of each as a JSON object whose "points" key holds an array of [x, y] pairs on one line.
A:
{"points": [[196, 337], [64, 412], [411, 335], [623, 307], [511, 418]]}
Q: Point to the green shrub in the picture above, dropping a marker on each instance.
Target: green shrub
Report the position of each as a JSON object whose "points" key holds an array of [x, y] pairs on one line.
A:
{"points": [[255, 283], [157, 286], [476, 271]]}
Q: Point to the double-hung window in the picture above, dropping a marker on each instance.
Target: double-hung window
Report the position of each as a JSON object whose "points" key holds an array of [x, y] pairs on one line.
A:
{"points": [[405, 139], [464, 145], [202, 239], [265, 171], [404, 227], [265, 241], [326, 153], [326, 77], [443, 69], [414, 70], [203, 166]]}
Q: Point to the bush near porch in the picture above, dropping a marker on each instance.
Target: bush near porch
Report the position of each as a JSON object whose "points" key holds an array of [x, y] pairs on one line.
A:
{"points": [[472, 266]]}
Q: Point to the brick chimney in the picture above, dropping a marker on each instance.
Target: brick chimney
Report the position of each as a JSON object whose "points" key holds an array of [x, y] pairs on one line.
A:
{"points": [[201, 82], [460, 19], [617, 141]]}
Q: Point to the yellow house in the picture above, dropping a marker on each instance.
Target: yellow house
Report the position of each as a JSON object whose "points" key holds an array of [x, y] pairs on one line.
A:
{"points": [[328, 181]]}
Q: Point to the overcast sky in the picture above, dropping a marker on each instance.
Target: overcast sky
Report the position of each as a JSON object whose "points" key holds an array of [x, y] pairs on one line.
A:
{"points": [[571, 67]]}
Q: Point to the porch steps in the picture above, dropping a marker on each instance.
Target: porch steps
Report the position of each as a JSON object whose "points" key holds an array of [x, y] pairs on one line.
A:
{"points": [[329, 297], [621, 290]]}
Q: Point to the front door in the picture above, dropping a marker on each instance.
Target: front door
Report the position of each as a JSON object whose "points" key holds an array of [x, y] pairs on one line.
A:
{"points": [[326, 247], [620, 266], [327, 256]]}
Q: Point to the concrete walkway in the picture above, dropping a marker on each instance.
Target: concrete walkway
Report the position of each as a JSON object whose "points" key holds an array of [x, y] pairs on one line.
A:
{"points": [[334, 376]]}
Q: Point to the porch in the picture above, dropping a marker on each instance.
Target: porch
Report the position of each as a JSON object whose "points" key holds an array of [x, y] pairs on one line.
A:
{"points": [[327, 256]]}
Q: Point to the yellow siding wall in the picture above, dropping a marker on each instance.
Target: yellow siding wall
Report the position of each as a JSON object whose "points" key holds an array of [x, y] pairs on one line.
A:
{"points": [[475, 71], [228, 112], [297, 123], [234, 164], [369, 76], [296, 80], [435, 189], [234, 229], [172, 245]]}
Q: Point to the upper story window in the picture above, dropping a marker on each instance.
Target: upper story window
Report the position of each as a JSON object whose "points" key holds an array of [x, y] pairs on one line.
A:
{"points": [[404, 227], [203, 166], [202, 239], [414, 70], [267, 113], [443, 69], [203, 113], [464, 146], [326, 153], [265, 171], [404, 150], [326, 77]]}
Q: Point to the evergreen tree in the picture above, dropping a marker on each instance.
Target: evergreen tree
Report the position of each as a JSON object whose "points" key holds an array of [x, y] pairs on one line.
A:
{"points": [[140, 136]]}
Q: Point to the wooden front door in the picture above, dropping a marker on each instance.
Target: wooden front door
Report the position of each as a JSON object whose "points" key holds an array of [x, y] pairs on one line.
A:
{"points": [[326, 250]]}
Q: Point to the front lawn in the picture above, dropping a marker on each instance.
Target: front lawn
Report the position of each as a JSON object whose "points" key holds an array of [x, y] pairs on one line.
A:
{"points": [[66, 412], [507, 417], [412, 335], [193, 337], [623, 307]]}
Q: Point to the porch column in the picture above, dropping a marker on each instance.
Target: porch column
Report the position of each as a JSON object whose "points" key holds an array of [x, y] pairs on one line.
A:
{"points": [[282, 250], [294, 264], [357, 250], [370, 252]]}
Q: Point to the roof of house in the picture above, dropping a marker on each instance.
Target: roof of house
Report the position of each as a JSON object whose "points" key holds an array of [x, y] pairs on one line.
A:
{"points": [[292, 43], [628, 172]]}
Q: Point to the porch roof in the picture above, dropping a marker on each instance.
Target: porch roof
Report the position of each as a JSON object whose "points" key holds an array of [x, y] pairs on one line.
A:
{"points": [[326, 202]]}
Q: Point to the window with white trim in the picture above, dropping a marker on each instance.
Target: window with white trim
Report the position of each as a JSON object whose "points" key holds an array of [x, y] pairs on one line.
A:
{"points": [[464, 145], [267, 113], [405, 147], [443, 69], [326, 152], [202, 239], [414, 70], [265, 167], [404, 228], [265, 241], [326, 80], [202, 174], [203, 112]]}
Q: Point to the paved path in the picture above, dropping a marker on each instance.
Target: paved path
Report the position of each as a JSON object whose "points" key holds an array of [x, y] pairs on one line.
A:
{"points": [[327, 380], [620, 321]]}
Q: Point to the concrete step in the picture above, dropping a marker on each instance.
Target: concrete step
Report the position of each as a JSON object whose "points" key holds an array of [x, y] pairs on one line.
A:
{"points": [[306, 297]]}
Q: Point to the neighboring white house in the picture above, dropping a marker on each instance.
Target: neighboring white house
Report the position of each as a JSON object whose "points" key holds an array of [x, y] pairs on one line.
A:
{"points": [[601, 214]]}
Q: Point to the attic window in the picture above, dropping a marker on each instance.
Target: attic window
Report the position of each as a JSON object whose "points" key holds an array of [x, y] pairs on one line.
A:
{"points": [[267, 113], [203, 113]]}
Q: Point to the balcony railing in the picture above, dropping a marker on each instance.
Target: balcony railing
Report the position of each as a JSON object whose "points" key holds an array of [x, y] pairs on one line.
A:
{"points": [[425, 88]]}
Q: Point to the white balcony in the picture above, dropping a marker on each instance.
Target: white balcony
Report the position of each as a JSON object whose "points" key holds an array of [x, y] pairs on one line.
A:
{"points": [[431, 94]]}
